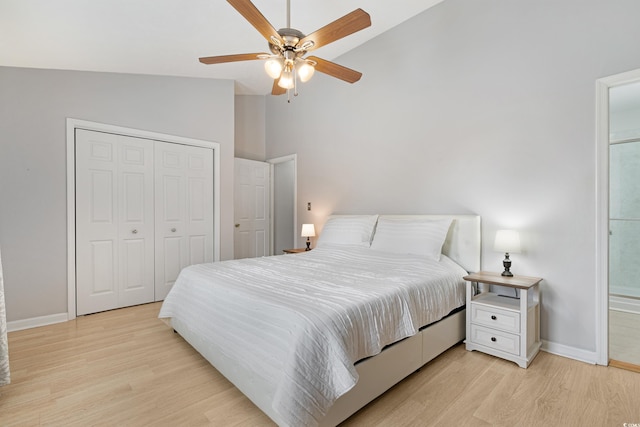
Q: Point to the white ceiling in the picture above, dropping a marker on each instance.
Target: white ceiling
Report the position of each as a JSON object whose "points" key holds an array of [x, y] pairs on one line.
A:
{"points": [[167, 37]]}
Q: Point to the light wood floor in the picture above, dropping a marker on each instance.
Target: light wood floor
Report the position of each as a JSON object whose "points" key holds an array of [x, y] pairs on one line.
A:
{"points": [[624, 336], [125, 367]]}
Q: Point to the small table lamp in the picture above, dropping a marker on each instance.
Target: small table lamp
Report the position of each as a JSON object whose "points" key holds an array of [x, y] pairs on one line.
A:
{"points": [[308, 230], [507, 241]]}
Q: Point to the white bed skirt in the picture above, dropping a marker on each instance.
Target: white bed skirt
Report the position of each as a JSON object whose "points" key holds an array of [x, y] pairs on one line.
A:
{"points": [[377, 374]]}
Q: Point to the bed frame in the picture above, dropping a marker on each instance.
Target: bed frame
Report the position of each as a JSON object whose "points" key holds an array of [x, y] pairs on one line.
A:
{"points": [[379, 373]]}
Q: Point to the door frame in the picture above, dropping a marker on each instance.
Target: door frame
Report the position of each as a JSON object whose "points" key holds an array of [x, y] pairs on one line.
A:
{"points": [[72, 125], [273, 162], [602, 208]]}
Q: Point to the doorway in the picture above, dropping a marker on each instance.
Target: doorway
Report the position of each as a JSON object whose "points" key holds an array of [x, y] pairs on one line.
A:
{"points": [[251, 235], [284, 223], [624, 224], [265, 206], [618, 225]]}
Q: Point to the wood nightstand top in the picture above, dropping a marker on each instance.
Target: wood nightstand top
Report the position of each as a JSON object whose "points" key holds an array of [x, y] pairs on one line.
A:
{"points": [[294, 251], [520, 282]]}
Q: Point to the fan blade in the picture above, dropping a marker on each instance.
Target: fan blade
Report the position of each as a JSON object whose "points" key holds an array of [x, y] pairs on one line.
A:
{"points": [[277, 90], [335, 70], [255, 18], [342, 27], [230, 58]]}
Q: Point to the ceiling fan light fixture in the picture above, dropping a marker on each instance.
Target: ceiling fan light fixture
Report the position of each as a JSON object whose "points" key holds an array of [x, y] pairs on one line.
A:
{"points": [[305, 71], [273, 67], [286, 79], [286, 63]]}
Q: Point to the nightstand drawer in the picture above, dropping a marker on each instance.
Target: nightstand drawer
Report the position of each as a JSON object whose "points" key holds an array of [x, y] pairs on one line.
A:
{"points": [[495, 318], [499, 340]]}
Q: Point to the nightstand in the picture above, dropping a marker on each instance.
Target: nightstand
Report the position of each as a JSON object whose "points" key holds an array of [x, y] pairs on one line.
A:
{"points": [[294, 251], [504, 326]]}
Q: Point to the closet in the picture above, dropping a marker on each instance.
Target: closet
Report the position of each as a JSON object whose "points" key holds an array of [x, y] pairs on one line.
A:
{"points": [[143, 211]]}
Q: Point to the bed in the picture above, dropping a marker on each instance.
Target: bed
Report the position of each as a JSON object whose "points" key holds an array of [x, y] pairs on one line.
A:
{"points": [[311, 338]]}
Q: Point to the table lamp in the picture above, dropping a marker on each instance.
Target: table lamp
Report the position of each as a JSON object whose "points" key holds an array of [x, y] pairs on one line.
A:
{"points": [[308, 230], [507, 241]]}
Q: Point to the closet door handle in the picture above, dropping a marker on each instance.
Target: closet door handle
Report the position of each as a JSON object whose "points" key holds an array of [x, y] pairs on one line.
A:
{"points": [[134, 231], [173, 230], [493, 317]]}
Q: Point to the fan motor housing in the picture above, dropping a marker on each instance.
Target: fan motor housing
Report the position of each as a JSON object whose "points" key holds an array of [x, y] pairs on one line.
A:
{"points": [[291, 37]]}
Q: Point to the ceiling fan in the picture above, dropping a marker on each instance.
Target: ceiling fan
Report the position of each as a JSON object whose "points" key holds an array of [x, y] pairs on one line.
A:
{"points": [[287, 63]]}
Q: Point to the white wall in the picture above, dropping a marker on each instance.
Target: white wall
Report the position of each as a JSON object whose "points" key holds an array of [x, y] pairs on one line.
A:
{"points": [[474, 106], [34, 105]]}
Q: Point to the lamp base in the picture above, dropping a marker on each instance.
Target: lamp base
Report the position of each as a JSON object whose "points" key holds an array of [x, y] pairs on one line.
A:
{"points": [[506, 263], [308, 248]]}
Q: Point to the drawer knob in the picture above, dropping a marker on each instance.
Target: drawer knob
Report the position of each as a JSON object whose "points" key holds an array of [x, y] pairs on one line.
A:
{"points": [[493, 339], [493, 317]]}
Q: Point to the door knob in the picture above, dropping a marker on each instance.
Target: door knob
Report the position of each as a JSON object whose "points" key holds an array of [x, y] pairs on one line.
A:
{"points": [[134, 231], [173, 230], [237, 225]]}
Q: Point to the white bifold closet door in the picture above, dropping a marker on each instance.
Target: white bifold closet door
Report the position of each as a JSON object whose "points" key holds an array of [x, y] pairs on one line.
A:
{"points": [[144, 210], [184, 211]]}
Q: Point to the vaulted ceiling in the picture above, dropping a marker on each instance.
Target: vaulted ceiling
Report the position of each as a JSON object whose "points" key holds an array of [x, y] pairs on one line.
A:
{"points": [[166, 37]]}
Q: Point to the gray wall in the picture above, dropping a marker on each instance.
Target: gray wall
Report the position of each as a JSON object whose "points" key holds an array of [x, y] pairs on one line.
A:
{"points": [[474, 106], [34, 105], [249, 127]]}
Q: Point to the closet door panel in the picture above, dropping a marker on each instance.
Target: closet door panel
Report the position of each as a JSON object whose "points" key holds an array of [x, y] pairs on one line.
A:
{"points": [[96, 222], [184, 211], [170, 211], [114, 221], [199, 176], [102, 282], [197, 250], [136, 222], [171, 263]]}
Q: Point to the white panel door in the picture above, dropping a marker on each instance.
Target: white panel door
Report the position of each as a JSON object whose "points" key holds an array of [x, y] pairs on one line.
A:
{"points": [[114, 221], [251, 210], [184, 211], [136, 222]]}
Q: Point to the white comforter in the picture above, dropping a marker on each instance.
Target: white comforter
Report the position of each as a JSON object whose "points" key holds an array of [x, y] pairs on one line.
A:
{"points": [[300, 322]]}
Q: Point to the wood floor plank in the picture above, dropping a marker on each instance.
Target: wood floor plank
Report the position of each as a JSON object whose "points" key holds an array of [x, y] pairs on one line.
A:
{"points": [[127, 368]]}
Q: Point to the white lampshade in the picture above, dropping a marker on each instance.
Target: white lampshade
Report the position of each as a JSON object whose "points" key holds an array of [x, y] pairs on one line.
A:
{"points": [[273, 67], [305, 71], [308, 230], [507, 241]]}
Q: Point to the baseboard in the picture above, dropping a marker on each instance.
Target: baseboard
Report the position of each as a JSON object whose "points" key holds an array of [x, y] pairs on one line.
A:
{"points": [[570, 352], [624, 365], [34, 322], [629, 305]]}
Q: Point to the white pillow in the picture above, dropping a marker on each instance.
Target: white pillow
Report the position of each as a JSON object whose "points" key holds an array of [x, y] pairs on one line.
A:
{"points": [[347, 230], [423, 237]]}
